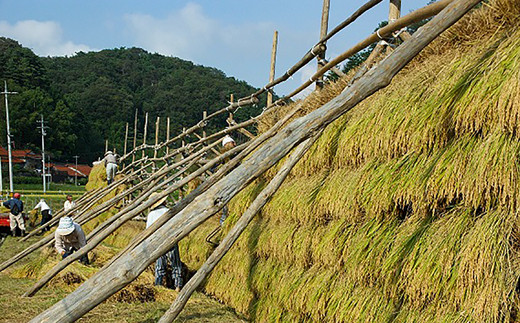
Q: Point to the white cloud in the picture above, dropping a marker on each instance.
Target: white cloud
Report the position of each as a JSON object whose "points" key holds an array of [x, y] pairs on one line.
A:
{"points": [[191, 34], [305, 74], [45, 38]]}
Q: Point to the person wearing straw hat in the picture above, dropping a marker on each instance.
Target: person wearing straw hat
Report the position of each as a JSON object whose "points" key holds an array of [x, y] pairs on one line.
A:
{"points": [[45, 210], [172, 256], [69, 237], [15, 206], [110, 165]]}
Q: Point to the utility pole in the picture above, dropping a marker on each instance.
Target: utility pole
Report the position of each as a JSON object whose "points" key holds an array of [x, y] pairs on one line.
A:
{"points": [[76, 172], [11, 189], [42, 128]]}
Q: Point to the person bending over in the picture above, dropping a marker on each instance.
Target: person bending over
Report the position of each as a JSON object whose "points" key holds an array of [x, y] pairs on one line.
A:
{"points": [[69, 238]]}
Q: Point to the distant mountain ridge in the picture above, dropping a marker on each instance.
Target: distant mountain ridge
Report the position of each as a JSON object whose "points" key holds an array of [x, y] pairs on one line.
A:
{"points": [[89, 97]]}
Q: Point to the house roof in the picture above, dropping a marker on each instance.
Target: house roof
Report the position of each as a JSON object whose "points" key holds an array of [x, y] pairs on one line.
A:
{"points": [[19, 154]]}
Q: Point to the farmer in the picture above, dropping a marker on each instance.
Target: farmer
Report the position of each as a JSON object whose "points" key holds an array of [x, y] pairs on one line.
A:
{"points": [[69, 237], [228, 143], [15, 214], [45, 211], [69, 204], [158, 209], [110, 165]]}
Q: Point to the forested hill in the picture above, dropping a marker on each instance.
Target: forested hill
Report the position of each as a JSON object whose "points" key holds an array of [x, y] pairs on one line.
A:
{"points": [[89, 97]]}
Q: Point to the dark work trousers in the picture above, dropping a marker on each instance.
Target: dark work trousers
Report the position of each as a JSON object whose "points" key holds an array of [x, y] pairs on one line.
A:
{"points": [[174, 258], [46, 217]]}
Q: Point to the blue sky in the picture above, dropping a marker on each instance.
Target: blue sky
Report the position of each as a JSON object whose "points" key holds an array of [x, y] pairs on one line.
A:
{"points": [[232, 35]]}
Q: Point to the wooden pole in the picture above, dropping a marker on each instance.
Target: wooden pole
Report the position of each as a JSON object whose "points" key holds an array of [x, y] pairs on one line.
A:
{"points": [[273, 66], [231, 100], [183, 142], [126, 139], [236, 231], [144, 133], [324, 29], [157, 122], [167, 134], [204, 116], [106, 145], [135, 136], [395, 10]]}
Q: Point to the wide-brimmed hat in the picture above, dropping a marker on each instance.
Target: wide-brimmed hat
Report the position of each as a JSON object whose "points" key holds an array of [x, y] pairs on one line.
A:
{"points": [[66, 226], [159, 202], [109, 152], [227, 139]]}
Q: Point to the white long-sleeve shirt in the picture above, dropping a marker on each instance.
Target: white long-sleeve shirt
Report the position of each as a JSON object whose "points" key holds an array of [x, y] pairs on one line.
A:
{"points": [[155, 214], [68, 205], [42, 206]]}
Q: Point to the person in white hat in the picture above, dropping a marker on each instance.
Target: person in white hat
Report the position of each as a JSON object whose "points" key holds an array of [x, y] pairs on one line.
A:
{"points": [[228, 142], [69, 237], [172, 256], [110, 165]]}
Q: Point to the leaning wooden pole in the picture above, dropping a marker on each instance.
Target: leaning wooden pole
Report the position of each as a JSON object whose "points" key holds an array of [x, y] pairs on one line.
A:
{"points": [[236, 231], [323, 32], [272, 70], [129, 266]]}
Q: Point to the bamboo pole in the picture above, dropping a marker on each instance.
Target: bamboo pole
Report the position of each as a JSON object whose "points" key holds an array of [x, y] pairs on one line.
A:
{"points": [[135, 137], [323, 32], [145, 132], [395, 10], [204, 116], [167, 134], [126, 139], [106, 145], [183, 142], [236, 231], [272, 70], [106, 282], [155, 150]]}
